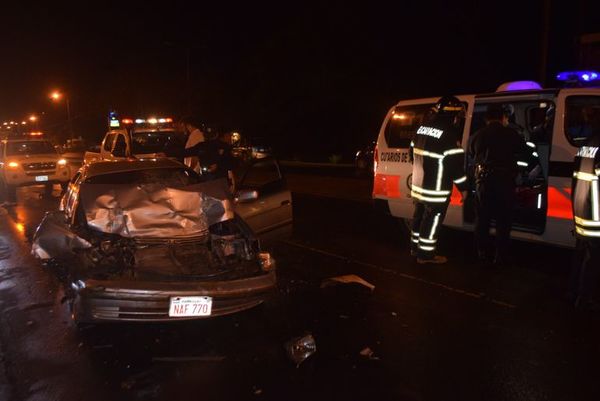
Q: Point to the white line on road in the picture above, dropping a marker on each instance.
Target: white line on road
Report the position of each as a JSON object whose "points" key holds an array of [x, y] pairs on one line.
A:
{"points": [[471, 294]]}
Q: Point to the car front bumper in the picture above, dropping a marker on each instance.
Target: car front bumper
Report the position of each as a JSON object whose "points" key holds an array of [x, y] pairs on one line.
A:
{"points": [[103, 301], [20, 177]]}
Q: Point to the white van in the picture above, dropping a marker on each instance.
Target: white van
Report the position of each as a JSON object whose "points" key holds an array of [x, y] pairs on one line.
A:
{"points": [[549, 119]]}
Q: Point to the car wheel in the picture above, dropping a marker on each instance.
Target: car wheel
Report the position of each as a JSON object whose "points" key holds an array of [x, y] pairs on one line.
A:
{"points": [[48, 189], [8, 192]]}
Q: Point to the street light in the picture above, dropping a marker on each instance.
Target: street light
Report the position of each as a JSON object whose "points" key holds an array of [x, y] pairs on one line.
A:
{"points": [[56, 96]]}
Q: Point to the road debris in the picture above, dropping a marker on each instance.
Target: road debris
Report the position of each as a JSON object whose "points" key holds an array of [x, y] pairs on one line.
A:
{"points": [[368, 353], [300, 348], [347, 279]]}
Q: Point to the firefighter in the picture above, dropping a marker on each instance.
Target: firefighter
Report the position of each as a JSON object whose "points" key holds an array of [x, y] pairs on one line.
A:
{"points": [[585, 196], [438, 161], [499, 154]]}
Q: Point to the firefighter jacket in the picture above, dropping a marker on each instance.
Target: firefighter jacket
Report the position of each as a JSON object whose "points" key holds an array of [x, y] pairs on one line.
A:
{"points": [[438, 161], [586, 189]]}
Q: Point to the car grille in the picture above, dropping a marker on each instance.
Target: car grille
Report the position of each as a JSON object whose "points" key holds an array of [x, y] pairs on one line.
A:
{"points": [[39, 166], [195, 240]]}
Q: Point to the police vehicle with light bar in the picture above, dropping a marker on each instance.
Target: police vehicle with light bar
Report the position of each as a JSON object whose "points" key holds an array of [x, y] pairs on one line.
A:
{"points": [[553, 123], [143, 138]]}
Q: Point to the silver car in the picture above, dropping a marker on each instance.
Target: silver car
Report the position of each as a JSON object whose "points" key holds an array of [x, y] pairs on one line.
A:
{"points": [[147, 240]]}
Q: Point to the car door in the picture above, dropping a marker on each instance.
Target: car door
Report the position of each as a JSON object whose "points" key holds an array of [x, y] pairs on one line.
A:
{"points": [[270, 214]]}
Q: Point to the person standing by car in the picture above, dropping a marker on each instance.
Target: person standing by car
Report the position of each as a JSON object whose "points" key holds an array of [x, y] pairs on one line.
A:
{"points": [[215, 159], [438, 161], [495, 151], [194, 136], [585, 196]]}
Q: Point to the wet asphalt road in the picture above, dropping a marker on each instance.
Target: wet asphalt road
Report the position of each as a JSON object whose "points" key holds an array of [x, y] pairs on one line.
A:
{"points": [[453, 332]]}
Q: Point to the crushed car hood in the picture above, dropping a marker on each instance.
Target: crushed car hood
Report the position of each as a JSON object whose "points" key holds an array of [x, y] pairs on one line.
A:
{"points": [[153, 210]]}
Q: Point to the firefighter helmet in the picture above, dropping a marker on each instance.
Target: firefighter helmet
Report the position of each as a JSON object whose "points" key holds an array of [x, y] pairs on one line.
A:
{"points": [[449, 105]]}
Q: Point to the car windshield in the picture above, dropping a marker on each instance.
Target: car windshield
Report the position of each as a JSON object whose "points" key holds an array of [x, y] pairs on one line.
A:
{"points": [[29, 148], [169, 142], [169, 177]]}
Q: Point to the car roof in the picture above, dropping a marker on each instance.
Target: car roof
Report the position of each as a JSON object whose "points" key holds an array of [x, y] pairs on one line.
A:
{"points": [[121, 166]]}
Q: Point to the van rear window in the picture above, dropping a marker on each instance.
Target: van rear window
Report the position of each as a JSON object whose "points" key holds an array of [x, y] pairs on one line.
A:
{"points": [[403, 123], [581, 118]]}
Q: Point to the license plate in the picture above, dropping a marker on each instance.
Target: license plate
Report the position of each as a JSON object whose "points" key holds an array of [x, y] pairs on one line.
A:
{"points": [[41, 178], [190, 306]]}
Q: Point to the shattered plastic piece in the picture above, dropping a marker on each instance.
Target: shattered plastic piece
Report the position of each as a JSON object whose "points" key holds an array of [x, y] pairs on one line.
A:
{"points": [[300, 348], [394, 314], [347, 279], [368, 353]]}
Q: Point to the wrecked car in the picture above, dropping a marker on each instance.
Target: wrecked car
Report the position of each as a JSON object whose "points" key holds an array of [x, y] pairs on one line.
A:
{"points": [[147, 240]]}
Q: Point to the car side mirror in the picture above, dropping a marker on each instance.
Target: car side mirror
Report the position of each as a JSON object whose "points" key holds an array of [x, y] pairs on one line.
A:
{"points": [[246, 195]]}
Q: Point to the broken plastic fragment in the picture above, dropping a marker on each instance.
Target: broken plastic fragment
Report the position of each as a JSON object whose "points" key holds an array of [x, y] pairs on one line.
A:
{"points": [[300, 348], [348, 279], [368, 353]]}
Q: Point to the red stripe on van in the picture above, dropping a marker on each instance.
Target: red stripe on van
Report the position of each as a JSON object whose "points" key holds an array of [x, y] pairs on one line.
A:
{"points": [[386, 185], [455, 198], [559, 203]]}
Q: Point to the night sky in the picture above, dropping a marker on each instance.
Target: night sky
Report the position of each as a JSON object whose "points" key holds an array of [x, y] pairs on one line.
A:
{"points": [[312, 79]]}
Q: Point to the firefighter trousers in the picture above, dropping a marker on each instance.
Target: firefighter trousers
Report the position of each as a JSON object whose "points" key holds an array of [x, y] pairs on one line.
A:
{"points": [[427, 220], [495, 199], [585, 270]]}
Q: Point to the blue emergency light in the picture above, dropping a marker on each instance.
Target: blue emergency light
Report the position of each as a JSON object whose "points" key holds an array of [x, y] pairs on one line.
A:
{"points": [[578, 76]]}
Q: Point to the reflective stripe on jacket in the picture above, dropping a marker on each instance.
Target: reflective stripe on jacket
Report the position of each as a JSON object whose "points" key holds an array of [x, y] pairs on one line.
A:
{"points": [[438, 161], [586, 190]]}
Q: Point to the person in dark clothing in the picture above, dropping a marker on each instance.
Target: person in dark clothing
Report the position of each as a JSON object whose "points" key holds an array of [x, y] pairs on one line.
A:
{"points": [[215, 160], [496, 151], [438, 161], [585, 195]]}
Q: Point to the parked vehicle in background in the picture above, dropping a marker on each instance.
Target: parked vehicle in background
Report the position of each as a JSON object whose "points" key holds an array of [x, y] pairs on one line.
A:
{"points": [[363, 161], [147, 240], [141, 138], [260, 148], [73, 151], [30, 161]]}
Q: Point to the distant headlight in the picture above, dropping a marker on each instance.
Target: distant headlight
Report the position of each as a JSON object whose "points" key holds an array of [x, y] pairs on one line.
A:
{"points": [[62, 162], [13, 165]]}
